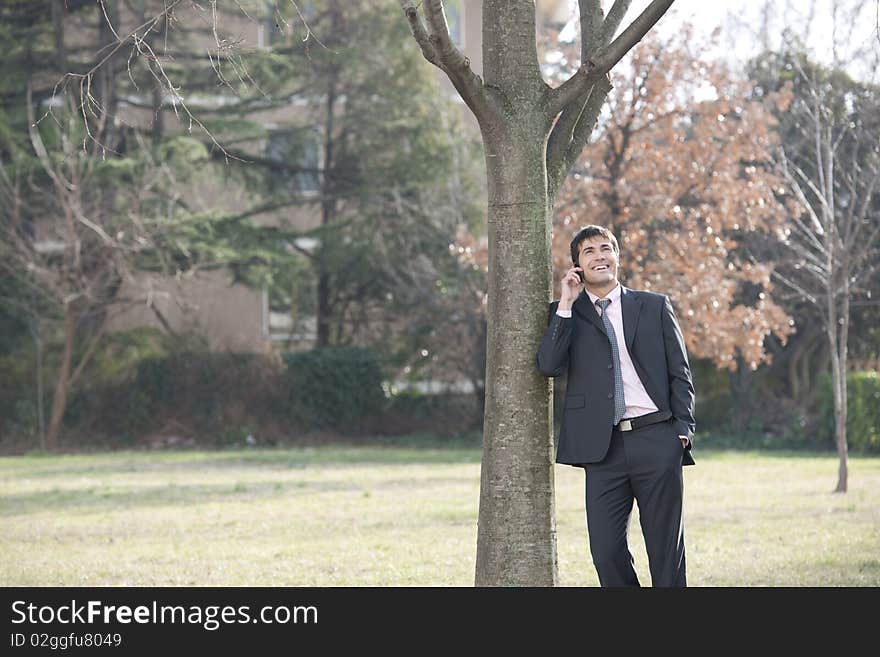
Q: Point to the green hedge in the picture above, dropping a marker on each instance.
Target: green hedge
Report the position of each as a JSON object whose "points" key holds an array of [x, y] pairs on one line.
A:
{"points": [[334, 386], [713, 399], [862, 411], [217, 395], [143, 389]]}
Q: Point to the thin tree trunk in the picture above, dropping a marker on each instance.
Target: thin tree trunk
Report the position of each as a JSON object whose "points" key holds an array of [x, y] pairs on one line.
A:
{"points": [[328, 204], [41, 413], [799, 352], [838, 379], [741, 394], [840, 434], [838, 382], [59, 400], [58, 33], [323, 319], [38, 347], [105, 79]]}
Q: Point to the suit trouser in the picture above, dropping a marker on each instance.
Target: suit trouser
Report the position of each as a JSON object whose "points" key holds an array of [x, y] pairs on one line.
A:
{"points": [[645, 465]]}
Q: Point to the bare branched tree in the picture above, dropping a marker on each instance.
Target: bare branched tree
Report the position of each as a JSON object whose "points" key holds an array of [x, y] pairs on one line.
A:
{"points": [[828, 157], [833, 169], [67, 237]]}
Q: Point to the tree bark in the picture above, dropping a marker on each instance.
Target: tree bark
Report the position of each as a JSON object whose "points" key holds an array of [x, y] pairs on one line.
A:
{"points": [[842, 355], [516, 537], [36, 334], [328, 204], [58, 34], [59, 399], [105, 80], [516, 541]]}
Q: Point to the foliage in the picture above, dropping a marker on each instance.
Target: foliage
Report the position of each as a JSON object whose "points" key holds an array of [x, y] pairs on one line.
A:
{"points": [[185, 394], [713, 403], [334, 386], [399, 176], [146, 388], [862, 411], [683, 183]]}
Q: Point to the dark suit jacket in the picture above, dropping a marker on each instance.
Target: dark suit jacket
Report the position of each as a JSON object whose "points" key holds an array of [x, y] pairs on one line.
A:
{"points": [[578, 346]]}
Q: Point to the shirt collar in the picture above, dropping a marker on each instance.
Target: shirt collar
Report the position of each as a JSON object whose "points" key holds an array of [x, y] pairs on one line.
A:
{"points": [[614, 295]]}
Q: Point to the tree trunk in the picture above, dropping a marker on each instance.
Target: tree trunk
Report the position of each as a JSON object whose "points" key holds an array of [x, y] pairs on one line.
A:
{"points": [[741, 395], [105, 79], [516, 542], [323, 332], [838, 377], [41, 415], [840, 414], [838, 384], [328, 204], [799, 352], [58, 34], [59, 399]]}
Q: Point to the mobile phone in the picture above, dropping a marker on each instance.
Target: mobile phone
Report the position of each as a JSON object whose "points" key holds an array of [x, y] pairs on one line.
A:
{"points": [[581, 276]]}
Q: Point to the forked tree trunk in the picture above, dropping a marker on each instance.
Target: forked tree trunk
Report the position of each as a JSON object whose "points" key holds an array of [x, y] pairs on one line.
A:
{"points": [[531, 134]]}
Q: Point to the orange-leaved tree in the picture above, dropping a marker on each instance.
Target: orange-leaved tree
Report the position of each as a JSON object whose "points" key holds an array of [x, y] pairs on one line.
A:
{"points": [[683, 175]]}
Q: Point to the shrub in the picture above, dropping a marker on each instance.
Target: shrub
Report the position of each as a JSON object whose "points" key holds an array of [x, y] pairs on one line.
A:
{"points": [[443, 415], [862, 411], [713, 398], [205, 395], [334, 386]]}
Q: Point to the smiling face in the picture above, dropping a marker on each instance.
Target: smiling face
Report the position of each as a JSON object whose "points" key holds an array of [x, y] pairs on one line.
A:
{"points": [[599, 259]]}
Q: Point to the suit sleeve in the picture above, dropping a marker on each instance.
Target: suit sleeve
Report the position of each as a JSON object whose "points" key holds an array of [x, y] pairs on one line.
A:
{"points": [[681, 387], [553, 351]]}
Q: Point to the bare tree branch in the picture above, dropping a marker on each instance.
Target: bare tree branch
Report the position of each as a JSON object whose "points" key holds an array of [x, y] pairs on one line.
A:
{"points": [[595, 66], [438, 49], [797, 288], [421, 34], [615, 17], [591, 17], [570, 134]]}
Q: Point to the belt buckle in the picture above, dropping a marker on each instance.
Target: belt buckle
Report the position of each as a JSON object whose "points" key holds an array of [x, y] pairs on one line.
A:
{"points": [[625, 425]]}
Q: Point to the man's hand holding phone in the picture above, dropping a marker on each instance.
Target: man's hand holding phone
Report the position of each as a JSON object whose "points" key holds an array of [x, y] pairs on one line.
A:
{"points": [[571, 285]]}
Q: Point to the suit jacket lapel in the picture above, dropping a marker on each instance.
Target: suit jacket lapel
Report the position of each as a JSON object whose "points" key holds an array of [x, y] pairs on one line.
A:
{"points": [[585, 308], [630, 305]]}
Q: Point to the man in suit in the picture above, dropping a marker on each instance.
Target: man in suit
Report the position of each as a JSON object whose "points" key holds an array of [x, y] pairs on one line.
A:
{"points": [[628, 418]]}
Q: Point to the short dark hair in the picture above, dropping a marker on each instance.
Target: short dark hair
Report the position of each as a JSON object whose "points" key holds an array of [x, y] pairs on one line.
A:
{"points": [[588, 232]]}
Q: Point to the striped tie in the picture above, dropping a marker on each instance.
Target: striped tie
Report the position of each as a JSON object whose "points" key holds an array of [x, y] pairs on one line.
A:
{"points": [[619, 401]]}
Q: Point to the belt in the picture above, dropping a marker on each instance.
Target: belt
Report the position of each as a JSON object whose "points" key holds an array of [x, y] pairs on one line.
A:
{"points": [[643, 420]]}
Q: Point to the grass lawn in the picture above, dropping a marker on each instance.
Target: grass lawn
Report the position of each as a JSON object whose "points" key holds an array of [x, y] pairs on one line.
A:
{"points": [[400, 516]]}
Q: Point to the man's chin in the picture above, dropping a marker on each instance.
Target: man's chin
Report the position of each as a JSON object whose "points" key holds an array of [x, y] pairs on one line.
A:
{"points": [[601, 280]]}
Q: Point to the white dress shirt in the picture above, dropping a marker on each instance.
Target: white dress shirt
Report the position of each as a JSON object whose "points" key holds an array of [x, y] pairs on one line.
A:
{"points": [[638, 402]]}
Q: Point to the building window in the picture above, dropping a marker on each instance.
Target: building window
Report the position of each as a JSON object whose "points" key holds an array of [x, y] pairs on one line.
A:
{"points": [[270, 30], [299, 153], [290, 304]]}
